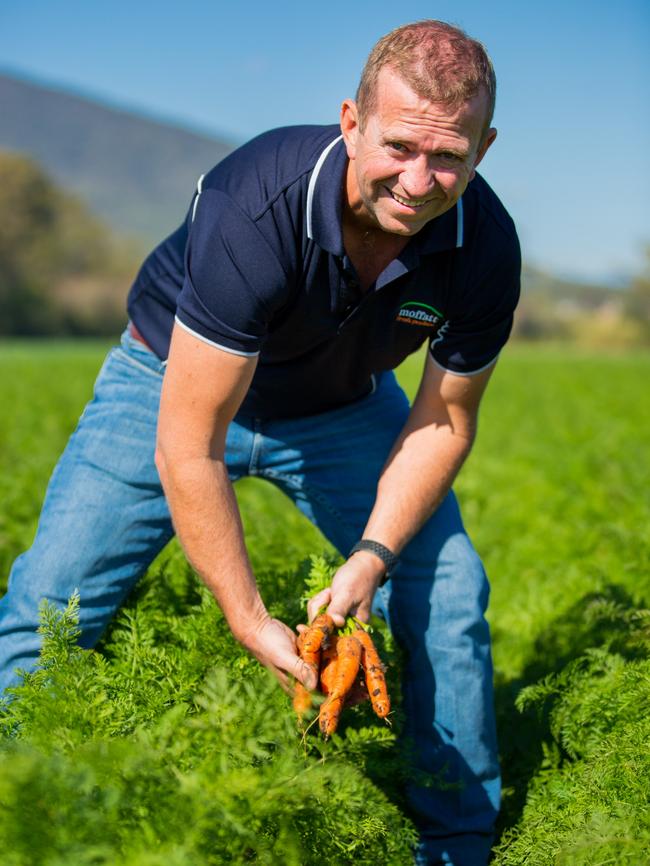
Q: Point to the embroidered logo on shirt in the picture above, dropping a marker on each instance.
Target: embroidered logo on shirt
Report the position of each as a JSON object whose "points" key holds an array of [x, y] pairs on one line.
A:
{"points": [[417, 313]]}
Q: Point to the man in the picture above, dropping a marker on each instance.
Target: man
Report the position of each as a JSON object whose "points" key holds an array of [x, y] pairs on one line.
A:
{"points": [[312, 261]]}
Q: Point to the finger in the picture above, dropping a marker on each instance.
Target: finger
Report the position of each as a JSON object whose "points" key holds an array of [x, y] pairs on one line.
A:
{"points": [[302, 672], [339, 609], [316, 602], [363, 612], [301, 629]]}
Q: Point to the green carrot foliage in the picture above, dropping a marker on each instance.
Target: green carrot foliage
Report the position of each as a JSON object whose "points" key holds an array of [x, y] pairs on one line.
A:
{"points": [[169, 745]]}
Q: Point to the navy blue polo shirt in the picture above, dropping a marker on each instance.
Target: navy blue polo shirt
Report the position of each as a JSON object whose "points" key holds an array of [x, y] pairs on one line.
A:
{"points": [[259, 268]]}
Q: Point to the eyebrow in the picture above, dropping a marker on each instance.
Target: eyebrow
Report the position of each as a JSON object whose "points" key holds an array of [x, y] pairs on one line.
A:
{"points": [[406, 139]]}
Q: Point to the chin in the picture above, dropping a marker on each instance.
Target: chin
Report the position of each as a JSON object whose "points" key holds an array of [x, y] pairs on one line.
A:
{"points": [[395, 226], [405, 230]]}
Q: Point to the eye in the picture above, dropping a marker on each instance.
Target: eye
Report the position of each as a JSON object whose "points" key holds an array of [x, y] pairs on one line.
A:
{"points": [[450, 158], [398, 146]]}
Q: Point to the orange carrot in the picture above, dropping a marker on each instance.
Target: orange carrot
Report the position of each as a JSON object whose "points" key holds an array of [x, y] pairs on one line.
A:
{"points": [[329, 658], [318, 632], [301, 699], [311, 655], [309, 646], [328, 717], [375, 679], [345, 669], [348, 649]]}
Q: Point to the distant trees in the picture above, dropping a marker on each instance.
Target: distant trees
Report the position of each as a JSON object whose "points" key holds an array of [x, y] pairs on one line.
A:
{"points": [[587, 315], [637, 301], [61, 269]]}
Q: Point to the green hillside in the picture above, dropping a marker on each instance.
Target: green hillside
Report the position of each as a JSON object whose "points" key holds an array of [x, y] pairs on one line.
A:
{"points": [[135, 172]]}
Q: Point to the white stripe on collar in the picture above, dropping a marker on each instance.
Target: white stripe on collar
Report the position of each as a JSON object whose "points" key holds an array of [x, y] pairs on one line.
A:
{"points": [[459, 223], [199, 190], [312, 184]]}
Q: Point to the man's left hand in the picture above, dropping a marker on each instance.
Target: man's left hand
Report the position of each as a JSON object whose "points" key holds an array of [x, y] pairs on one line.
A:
{"points": [[352, 589]]}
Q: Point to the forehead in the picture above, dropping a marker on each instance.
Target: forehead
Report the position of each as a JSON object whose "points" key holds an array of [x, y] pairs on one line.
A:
{"points": [[398, 105]]}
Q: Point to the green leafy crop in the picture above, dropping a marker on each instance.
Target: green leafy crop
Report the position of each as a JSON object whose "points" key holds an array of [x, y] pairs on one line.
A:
{"points": [[169, 745], [128, 757]]}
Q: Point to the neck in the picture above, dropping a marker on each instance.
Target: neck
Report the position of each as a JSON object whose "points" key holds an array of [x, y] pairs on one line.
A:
{"points": [[369, 248], [369, 238]]}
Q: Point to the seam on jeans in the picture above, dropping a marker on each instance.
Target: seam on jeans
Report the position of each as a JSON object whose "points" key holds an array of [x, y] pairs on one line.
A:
{"points": [[255, 453], [158, 374], [295, 483]]}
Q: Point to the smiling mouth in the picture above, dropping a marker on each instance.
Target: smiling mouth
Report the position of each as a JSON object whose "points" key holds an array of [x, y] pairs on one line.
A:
{"points": [[409, 202]]}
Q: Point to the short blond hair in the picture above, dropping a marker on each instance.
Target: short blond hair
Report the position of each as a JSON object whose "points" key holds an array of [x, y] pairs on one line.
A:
{"points": [[438, 61]]}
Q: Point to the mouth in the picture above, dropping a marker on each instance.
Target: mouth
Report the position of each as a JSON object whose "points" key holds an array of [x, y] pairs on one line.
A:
{"points": [[409, 202]]}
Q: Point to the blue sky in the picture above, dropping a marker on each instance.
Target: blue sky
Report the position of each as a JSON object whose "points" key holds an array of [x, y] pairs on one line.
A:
{"points": [[573, 109]]}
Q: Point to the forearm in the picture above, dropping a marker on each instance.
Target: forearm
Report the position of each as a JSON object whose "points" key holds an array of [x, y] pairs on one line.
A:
{"points": [[206, 518], [417, 476], [423, 463], [419, 472]]}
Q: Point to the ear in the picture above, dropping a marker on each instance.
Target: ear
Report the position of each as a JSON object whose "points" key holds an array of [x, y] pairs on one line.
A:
{"points": [[350, 126], [486, 142]]}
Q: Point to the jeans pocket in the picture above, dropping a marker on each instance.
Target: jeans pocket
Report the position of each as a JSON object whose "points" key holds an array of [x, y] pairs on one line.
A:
{"points": [[142, 360]]}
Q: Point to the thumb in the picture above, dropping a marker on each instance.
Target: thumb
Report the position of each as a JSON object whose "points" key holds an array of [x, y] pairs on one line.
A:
{"points": [[304, 673], [317, 601]]}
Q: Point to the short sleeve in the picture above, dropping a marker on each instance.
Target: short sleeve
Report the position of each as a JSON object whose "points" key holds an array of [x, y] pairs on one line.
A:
{"points": [[480, 322], [234, 281]]}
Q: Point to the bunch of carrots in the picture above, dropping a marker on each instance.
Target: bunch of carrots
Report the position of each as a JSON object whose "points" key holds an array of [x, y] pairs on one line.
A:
{"points": [[341, 658]]}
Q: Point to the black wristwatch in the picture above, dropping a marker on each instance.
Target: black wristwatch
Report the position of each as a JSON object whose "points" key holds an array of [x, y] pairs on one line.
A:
{"points": [[387, 556]]}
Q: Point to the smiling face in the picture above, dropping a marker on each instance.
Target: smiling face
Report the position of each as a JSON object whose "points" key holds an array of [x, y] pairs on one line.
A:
{"points": [[413, 160]]}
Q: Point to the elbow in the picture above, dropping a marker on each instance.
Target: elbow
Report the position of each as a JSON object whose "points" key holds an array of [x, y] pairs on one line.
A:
{"points": [[466, 439], [179, 468], [465, 428], [470, 434]]}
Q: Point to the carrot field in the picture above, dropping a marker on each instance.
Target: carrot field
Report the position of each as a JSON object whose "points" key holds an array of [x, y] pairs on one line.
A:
{"points": [[169, 745]]}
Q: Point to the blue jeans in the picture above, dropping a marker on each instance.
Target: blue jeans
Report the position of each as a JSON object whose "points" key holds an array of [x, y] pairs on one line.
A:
{"points": [[105, 518]]}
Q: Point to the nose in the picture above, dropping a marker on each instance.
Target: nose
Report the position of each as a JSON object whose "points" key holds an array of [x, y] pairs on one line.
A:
{"points": [[418, 178]]}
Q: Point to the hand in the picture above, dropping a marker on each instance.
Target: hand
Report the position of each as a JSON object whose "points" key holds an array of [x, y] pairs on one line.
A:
{"points": [[352, 590], [274, 645]]}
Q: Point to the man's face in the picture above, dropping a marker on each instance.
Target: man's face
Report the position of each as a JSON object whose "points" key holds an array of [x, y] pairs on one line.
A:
{"points": [[414, 159]]}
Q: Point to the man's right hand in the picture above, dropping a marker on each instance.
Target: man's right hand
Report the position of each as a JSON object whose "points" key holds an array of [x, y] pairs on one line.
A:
{"points": [[274, 645]]}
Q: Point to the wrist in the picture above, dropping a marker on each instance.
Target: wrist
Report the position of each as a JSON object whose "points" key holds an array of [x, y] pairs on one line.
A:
{"points": [[245, 628], [381, 557]]}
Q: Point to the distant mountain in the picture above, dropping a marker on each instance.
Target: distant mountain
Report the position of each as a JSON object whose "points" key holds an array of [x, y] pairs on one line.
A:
{"points": [[136, 173], [139, 174], [588, 296]]}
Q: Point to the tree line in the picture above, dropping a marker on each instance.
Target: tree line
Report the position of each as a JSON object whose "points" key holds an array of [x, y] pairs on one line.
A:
{"points": [[64, 272]]}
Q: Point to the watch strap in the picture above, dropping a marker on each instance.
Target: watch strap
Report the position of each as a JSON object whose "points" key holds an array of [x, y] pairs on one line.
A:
{"points": [[387, 556]]}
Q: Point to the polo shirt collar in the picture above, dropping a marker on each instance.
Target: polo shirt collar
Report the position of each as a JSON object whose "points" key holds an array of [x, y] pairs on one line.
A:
{"points": [[324, 211], [443, 233], [325, 198]]}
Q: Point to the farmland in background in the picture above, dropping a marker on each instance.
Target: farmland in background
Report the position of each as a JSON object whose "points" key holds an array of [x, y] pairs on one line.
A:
{"points": [[171, 746], [87, 190]]}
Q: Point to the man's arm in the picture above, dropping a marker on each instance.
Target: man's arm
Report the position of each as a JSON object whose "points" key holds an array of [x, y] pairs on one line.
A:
{"points": [[202, 390], [419, 472]]}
